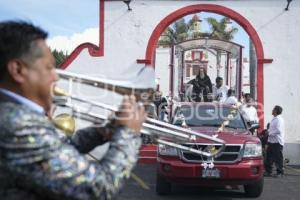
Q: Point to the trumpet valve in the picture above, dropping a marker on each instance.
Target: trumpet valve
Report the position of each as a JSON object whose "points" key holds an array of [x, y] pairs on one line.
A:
{"points": [[59, 92]]}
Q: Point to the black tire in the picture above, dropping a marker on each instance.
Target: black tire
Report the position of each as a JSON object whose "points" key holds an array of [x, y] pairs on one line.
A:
{"points": [[163, 187], [255, 189]]}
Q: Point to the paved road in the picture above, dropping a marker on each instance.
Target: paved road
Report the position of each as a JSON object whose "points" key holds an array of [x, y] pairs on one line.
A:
{"points": [[286, 188]]}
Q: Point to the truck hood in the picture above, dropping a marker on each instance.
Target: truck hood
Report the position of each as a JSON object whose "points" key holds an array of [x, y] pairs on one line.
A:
{"points": [[230, 136]]}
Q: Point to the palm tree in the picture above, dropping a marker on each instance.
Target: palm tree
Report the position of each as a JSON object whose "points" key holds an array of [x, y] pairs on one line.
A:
{"points": [[220, 31], [174, 33], [179, 31]]}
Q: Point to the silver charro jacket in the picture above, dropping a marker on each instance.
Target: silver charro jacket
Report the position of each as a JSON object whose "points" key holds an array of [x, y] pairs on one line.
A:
{"points": [[37, 164]]}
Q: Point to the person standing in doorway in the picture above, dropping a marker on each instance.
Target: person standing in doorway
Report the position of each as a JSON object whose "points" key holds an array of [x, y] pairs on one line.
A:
{"points": [[202, 87], [275, 143]]}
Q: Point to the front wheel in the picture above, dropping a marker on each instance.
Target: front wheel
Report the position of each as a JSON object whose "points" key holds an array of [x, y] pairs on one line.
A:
{"points": [[163, 187], [255, 189]]}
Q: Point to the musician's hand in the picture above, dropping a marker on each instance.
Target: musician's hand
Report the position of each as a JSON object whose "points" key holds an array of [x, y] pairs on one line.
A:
{"points": [[131, 114], [50, 112]]}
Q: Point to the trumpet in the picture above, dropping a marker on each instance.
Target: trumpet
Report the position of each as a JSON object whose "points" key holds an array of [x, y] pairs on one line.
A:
{"points": [[162, 132]]}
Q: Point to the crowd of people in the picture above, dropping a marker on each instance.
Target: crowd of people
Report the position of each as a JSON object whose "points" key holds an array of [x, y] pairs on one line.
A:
{"points": [[202, 90]]}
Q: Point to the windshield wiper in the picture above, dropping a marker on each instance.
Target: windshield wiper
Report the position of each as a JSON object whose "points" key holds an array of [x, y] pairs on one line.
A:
{"points": [[228, 126], [214, 125]]}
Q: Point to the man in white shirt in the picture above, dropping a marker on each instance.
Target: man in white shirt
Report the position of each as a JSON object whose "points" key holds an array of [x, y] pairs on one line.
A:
{"points": [[231, 99], [249, 111], [275, 143], [219, 90]]}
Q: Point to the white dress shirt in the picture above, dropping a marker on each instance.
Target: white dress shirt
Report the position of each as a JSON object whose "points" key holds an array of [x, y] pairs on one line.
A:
{"points": [[220, 94], [232, 100], [24, 101], [249, 113], [276, 130]]}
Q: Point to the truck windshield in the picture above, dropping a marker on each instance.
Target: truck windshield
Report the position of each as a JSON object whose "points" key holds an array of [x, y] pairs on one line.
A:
{"points": [[195, 115]]}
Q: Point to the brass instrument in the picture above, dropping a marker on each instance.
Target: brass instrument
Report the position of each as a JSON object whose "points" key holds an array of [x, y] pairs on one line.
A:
{"points": [[163, 133]]}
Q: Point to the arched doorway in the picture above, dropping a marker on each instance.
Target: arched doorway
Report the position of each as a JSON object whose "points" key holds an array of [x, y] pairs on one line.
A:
{"points": [[242, 21]]}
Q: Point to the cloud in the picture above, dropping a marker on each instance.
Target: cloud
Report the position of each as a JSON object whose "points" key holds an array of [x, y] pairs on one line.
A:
{"points": [[69, 43]]}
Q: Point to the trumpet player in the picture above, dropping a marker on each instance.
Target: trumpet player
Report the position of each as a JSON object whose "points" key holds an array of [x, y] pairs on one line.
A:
{"points": [[35, 163]]}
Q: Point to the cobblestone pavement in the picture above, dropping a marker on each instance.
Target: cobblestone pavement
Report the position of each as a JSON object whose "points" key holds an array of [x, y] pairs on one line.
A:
{"points": [[285, 188]]}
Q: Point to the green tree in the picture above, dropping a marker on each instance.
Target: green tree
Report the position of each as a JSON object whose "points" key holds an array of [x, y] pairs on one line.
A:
{"points": [[175, 33], [179, 31], [219, 29], [59, 56]]}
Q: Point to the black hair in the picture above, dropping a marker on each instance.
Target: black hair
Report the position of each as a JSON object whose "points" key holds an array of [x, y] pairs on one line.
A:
{"points": [[230, 92], [278, 109], [18, 41], [219, 79], [247, 95], [204, 70]]}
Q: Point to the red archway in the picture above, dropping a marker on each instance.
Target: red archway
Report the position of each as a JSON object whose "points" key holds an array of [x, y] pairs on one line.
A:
{"points": [[242, 21]]}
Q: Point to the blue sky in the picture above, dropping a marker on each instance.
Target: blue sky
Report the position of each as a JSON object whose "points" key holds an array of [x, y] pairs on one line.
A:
{"points": [[67, 18], [58, 17]]}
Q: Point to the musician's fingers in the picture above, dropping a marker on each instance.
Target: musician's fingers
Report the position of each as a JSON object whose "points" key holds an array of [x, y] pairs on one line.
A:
{"points": [[132, 99], [125, 105]]}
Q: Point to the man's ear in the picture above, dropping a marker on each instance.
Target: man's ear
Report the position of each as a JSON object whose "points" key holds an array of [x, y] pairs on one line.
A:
{"points": [[15, 69]]}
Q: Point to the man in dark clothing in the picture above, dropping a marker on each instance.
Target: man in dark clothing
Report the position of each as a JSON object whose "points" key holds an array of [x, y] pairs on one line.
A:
{"points": [[263, 136], [161, 104], [202, 87]]}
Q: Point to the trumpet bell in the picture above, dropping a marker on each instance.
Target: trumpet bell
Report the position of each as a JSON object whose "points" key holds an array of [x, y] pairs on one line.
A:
{"points": [[65, 122], [161, 132]]}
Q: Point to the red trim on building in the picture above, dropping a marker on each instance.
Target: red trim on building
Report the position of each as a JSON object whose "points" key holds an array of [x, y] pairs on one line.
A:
{"points": [[197, 61], [144, 61], [94, 50], [242, 21], [265, 61]]}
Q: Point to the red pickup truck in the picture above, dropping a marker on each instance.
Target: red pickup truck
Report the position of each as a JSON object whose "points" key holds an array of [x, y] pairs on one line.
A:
{"points": [[241, 162]]}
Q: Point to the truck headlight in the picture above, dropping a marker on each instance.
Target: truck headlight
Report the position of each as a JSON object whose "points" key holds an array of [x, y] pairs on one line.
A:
{"points": [[252, 150], [167, 150]]}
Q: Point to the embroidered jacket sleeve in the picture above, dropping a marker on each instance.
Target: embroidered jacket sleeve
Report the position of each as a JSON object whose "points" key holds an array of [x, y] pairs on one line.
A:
{"points": [[36, 159], [85, 140]]}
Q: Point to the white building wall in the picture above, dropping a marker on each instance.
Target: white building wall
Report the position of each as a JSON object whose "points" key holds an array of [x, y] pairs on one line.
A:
{"points": [[127, 35]]}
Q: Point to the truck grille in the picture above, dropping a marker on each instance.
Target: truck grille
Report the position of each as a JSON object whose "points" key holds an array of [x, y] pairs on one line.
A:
{"points": [[231, 153]]}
